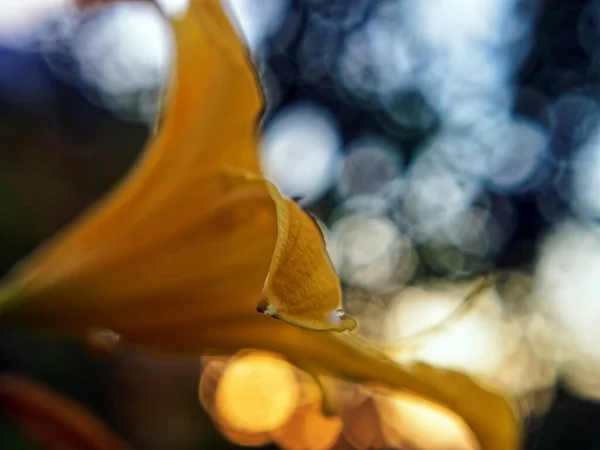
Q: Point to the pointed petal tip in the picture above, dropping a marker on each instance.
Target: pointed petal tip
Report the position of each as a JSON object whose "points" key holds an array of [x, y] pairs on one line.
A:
{"points": [[336, 320], [302, 287], [341, 320]]}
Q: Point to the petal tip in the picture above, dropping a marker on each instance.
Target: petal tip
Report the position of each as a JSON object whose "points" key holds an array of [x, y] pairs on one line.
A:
{"points": [[336, 320]]}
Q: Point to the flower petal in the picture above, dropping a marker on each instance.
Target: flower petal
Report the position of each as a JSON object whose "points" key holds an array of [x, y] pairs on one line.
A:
{"points": [[302, 287], [210, 123], [201, 254], [493, 418], [211, 120], [51, 420], [175, 240]]}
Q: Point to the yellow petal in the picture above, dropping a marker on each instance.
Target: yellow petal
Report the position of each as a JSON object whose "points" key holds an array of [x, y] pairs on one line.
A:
{"points": [[200, 254], [51, 420], [181, 236], [493, 418], [210, 123], [302, 288], [212, 116]]}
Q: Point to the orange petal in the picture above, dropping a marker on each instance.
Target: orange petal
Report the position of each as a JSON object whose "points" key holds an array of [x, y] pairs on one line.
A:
{"points": [[212, 110], [209, 123], [199, 255], [493, 417], [302, 288], [52, 421], [211, 119], [180, 239]]}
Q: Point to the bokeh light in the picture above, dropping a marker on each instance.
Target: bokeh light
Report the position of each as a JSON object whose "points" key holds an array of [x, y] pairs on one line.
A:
{"points": [[257, 20], [362, 416], [173, 8], [300, 152], [567, 285], [372, 253], [585, 172], [20, 20], [257, 393], [515, 349], [124, 53], [372, 166], [415, 310]]}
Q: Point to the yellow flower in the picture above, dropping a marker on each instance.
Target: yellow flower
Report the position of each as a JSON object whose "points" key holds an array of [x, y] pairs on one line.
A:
{"points": [[181, 255]]}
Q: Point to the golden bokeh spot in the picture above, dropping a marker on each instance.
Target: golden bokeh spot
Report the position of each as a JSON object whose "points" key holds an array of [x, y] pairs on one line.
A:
{"points": [[309, 429], [257, 393]]}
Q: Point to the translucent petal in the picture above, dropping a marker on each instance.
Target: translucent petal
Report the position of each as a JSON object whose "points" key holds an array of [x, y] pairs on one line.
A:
{"points": [[302, 287], [200, 254]]}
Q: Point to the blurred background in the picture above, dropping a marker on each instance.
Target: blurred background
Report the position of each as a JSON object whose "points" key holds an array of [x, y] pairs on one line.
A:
{"points": [[435, 142]]}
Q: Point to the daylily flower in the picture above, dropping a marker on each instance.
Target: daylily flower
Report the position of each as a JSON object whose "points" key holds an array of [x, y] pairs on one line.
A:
{"points": [[50, 420], [180, 256]]}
